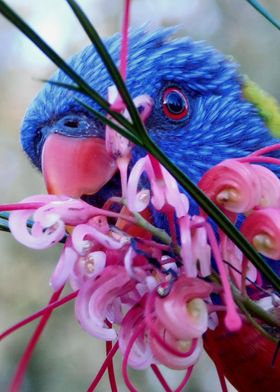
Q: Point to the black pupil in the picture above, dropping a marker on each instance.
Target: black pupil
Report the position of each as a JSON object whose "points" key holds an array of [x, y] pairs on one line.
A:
{"points": [[175, 102], [71, 123]]}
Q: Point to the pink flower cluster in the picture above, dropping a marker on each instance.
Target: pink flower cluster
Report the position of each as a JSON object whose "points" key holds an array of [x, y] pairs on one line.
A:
{"points": [[132, 283], [152, 294], [240, 186]]}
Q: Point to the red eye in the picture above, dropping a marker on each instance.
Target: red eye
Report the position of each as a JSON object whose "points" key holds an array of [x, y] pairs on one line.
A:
{"points": [[175, 104]]}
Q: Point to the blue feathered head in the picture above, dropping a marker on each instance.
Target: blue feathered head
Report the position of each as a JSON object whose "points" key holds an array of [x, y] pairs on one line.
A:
{"points": [[199, 116]]}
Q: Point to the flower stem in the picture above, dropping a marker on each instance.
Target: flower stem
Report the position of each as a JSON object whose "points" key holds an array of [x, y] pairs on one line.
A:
{"points": [[159, 233], [38, 314], [111, 373], [22, 366], [160, 378], [185, 379], [103, 368]]}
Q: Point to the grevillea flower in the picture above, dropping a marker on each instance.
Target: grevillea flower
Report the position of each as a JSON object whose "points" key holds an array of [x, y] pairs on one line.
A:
{"points": [[100, 300], [151, 295], [141, 356], [262, 228], [270, 186], [233, 185], [183, 311]]}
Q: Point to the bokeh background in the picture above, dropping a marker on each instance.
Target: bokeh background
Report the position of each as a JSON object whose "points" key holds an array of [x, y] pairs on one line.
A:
{"points": [[67, 358]]}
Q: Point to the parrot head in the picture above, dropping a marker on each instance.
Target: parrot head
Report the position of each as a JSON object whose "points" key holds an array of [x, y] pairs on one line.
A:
{"points": [[199, 115]]}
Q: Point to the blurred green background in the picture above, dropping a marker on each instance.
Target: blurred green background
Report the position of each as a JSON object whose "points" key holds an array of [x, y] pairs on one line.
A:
{"points": [[67, 358]]}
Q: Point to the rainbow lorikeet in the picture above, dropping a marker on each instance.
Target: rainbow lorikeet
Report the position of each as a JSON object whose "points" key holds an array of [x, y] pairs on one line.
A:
{"points": [[203, 112]]}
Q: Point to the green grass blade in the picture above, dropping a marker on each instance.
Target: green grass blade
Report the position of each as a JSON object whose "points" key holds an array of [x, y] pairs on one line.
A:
{"points": [[54, 57], [68, 86], [4, 222], [109, 64], [119, 117], [4, 226], [263, 11], [4, 215], [123, 131]]}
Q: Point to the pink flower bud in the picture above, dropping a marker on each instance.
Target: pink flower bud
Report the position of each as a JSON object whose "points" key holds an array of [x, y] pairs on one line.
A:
{"points": [[64, 266], [140, 356], [95, 300], [201, 250], [270, 186], [262, 229], [165, 357], [183, 312], [233, 186], [138, 201]]}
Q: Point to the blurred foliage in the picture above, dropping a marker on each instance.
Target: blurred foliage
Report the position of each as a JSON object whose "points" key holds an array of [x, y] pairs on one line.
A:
{"points": [[67, 358]]}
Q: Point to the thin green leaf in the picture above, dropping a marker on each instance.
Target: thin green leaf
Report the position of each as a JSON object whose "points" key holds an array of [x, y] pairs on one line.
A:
{"points": [[4, 215], [109, 64], [54, 57], [68, 86], [263, 11], [123, 131], [119, 117], [4, 226], [4, 222]]}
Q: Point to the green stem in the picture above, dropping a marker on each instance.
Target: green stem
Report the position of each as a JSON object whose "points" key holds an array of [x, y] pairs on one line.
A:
{"points": [[4, 226], [263, 11], [159, 233], [255, 310], [255, 323], [250, 308]]}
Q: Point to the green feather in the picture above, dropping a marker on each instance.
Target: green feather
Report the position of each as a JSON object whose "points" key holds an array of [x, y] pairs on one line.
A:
{"points": [[267, 105]]}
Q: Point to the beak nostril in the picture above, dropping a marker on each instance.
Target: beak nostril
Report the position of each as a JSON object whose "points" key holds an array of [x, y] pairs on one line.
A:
{"points": [[71, 123]]}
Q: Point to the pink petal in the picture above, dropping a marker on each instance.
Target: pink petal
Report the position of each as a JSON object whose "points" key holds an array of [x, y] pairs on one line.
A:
{"points": [[82, 245], [135, 201], [173, 197], [87, 267], [262, 229], [95, 300], [116, 144], [183, 312], [270, 186], [172, 361], [140, 356], [39, 237], [232, 185], [201, 250], [70, 211], [136, 273], [64, 266], [186, 247]]}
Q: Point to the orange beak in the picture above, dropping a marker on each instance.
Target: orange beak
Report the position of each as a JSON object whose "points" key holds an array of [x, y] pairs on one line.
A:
{"points": [[76, 167]]}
